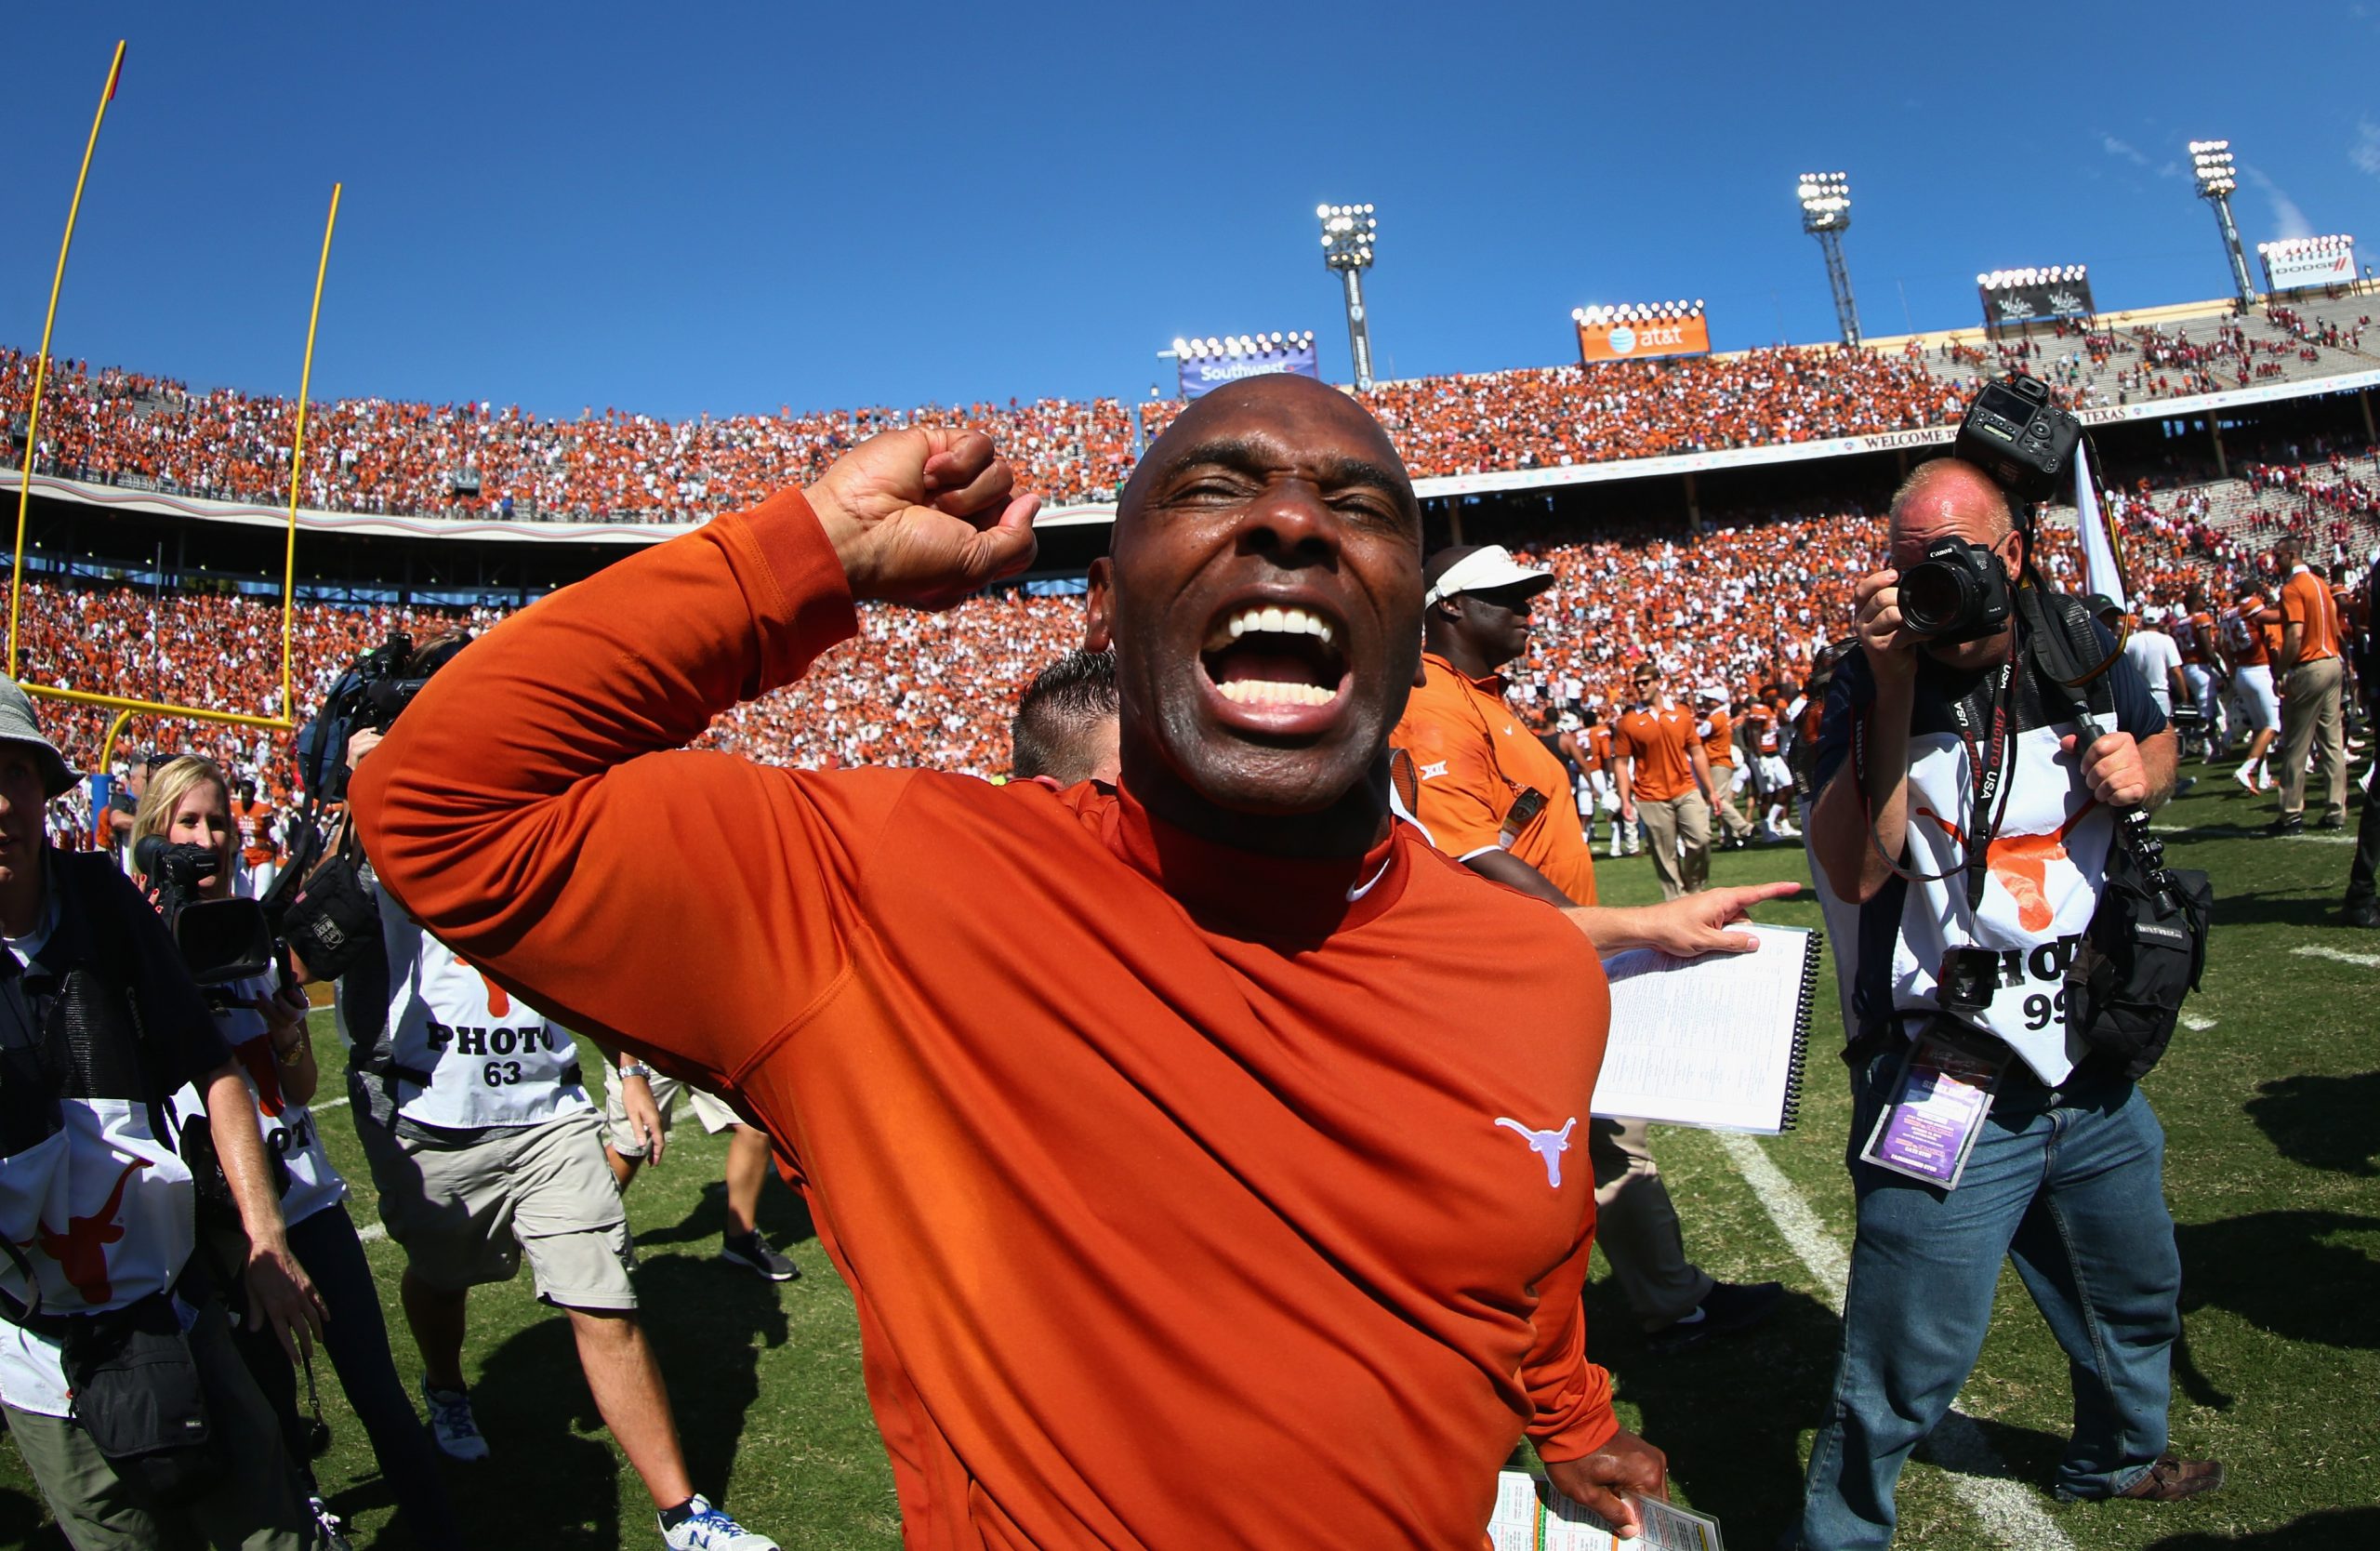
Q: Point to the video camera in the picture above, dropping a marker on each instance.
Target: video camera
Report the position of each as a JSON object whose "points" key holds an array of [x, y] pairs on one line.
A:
{"points": [[221, 940], [367, 697], [320, 903]]}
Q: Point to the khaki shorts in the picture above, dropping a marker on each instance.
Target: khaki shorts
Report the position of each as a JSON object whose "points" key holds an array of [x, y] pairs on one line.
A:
{"points": [[466, 1214], [666, 1090]]}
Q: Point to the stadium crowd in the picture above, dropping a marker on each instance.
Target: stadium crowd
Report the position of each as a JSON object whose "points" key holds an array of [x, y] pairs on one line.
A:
{"points": [[1745, 603], [474, 458], [1501, 422], [384, 455]]}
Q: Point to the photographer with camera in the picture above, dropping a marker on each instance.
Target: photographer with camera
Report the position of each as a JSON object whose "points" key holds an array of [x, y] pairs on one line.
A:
{"points": [[186, 836], [483, 1142], [1969, 807], [118, 1376]]}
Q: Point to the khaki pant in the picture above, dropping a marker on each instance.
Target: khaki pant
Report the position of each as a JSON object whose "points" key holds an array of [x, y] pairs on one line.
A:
{"points": [[466, 1215], [254, 1508], [1732, 822], [2314, 711], [1636, 1226], [1670, 824]]}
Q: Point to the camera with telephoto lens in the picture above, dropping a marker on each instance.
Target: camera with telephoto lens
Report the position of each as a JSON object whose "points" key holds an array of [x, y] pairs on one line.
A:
{"points": [[1958, 593], [2017, 435], [221, 940]]}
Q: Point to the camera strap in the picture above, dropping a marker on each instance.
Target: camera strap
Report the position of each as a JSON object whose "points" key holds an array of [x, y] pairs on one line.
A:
{"points": [[1988, 767]]}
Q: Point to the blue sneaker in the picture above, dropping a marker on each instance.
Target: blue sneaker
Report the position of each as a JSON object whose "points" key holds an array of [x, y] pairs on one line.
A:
{"points": [[703, 1527]]}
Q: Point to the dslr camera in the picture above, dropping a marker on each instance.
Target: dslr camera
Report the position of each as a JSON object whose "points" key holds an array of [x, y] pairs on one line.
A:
{"points": [[2014, 432], [1958, 593], [221, 940]]}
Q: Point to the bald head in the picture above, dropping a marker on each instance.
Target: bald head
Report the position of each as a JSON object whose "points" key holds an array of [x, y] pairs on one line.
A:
{"points": [[1946, 497], [1214, 429]]}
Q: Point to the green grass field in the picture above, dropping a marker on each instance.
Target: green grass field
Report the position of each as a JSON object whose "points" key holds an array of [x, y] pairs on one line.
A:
{"points": [[2271, 1104]]}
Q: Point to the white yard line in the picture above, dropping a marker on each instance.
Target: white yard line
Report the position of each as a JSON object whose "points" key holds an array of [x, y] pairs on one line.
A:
{"points": [[2369, 961], [329, 1104], [2195, 1024], [2009, 1511], [2239, 831], [371, 1233]]}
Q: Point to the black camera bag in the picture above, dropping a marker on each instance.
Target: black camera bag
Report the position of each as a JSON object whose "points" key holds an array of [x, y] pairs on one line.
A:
{"points": [[2145, 945], [334, 920], [139, 1396], [2143, 952]]}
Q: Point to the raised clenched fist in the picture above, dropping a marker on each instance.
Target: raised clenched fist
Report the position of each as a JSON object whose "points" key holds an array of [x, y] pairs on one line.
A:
{"points": [[924, 516]]}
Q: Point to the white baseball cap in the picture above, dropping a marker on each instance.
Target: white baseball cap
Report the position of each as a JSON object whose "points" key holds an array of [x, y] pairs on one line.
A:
{"points": [[1711, 692], [1484, 570]]}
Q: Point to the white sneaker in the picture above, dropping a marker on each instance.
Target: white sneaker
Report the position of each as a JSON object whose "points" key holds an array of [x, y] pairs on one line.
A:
{"points": [[2246, 779], [706, 1529], [452, 1425], [331, 1532]]}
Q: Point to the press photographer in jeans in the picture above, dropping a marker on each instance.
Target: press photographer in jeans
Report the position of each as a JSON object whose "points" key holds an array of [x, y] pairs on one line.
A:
{"points": [[2066, 1173]]}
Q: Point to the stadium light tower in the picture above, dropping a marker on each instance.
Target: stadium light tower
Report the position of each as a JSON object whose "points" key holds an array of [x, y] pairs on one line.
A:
{"points": [[2217, 176], [1347, 233], [1826, 215]]}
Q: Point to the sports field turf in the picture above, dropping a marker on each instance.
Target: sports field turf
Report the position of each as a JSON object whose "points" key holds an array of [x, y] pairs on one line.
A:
{"points": [[2271, 1102]]}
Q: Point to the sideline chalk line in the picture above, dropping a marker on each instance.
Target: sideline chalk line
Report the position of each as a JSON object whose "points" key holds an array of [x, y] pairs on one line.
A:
{"points": [[2010, 1512]]}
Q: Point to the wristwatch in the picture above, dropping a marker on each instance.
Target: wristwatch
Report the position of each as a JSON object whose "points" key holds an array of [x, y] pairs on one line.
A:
{"points": [[635, 1068]]}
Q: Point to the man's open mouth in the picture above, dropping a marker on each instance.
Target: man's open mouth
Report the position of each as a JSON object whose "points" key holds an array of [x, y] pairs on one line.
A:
{"points": [[1276, 655]]}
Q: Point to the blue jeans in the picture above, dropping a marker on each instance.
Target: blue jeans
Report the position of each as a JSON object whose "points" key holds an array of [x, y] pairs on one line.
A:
{"points": [[2069, 1182]]}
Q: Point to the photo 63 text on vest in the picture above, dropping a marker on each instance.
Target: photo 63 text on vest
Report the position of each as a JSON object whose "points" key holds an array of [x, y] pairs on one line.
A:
{"points": [[496, 1043]]}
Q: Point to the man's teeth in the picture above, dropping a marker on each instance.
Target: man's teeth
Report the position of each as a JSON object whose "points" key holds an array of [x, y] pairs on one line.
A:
{"points": [[1265, 692], [1280, 621]]}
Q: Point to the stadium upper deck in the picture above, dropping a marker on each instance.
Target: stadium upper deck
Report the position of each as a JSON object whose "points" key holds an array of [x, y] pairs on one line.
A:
{"points": [[471, 469]]}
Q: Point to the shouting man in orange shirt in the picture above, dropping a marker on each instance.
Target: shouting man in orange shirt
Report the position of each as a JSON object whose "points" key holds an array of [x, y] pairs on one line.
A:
{"points": [[1160, 1130]]}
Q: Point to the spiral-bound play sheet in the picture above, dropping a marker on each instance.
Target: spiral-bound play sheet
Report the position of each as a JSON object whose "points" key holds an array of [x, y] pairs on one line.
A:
{"points": [[1717, 1041]]}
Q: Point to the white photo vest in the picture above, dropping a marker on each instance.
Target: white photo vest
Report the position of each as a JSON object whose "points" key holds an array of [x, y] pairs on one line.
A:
{"points": [[289, 1129], [493, 1060], [2040, 896], [102, 1211]]}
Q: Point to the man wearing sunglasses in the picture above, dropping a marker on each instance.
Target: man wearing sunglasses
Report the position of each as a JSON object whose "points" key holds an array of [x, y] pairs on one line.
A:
{"points": [[1489, 793]]}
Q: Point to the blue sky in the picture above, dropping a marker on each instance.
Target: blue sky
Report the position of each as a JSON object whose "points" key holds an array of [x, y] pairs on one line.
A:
{"points": [[740, 207]]}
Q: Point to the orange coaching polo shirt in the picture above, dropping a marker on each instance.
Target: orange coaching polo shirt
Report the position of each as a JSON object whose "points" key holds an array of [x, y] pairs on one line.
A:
{"points": [[1657, 741], [1168, 1179], [2307, 602], [1475, 758], [1718, 741]]}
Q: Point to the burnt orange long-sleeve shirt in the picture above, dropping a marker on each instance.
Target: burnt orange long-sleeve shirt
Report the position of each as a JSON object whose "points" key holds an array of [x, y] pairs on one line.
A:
{"points": [[1189, 1197]]}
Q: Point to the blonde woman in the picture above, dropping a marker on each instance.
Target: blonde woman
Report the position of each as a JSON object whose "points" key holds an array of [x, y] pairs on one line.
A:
{"points": [[189, 803]]}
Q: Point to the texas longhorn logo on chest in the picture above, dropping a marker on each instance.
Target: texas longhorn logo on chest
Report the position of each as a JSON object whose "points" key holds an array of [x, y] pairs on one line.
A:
{"points": [[1548, 1145]]}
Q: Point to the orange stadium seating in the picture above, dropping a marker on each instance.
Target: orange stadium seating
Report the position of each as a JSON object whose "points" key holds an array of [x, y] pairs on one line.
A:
{"points": [[383, 456]]}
